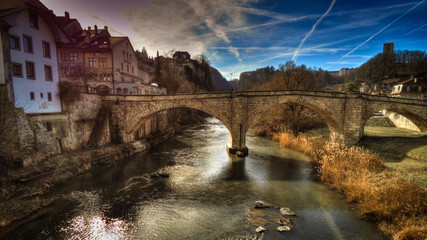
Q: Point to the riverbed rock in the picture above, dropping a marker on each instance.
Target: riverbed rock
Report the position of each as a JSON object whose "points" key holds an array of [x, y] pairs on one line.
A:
{"points": [[256, 217], [285, 222], [286, 212], [284, 228], [260, 230], [262, 204]]}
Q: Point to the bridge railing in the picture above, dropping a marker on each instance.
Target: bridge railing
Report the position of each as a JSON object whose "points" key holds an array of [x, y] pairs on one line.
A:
{"points": [[206, 95]]}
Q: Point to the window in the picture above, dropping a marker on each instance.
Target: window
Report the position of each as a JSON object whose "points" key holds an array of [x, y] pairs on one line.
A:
{"points": [[17, 69], [130, 57], [73, 57], [48, 73], [64, 72], [49, 126], [123, 53], [92, 62], [46, 49], [34, 21], [30, 70], [49, 96], [14, 42], [127, 68], [28, 44], [102, 62], [132, 69], [32, 96], [64, 57], [41, 95]]}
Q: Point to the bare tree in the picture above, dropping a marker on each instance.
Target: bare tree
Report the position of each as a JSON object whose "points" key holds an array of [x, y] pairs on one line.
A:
{"points": [[291, 77], [83, 74]]}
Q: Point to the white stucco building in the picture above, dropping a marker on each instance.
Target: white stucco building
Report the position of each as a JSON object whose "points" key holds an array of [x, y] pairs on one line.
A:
{"points": [[33, 61]]}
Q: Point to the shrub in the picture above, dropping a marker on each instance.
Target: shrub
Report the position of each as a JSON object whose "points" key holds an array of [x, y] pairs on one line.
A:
{"points": [[69, 91], [397, 206]]}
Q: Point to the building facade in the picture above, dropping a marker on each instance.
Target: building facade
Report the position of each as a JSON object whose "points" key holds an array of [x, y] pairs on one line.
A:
{"points": [[414, 88], [33, 62]]}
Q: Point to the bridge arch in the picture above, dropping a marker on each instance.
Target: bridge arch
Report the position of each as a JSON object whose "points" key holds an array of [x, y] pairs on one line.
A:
{"points": [[319, 107], [129, 112], [142, 120], [413, 114]]}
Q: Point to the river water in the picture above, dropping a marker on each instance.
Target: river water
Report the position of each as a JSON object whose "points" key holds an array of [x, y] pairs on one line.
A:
{"points": [[189, 188]]}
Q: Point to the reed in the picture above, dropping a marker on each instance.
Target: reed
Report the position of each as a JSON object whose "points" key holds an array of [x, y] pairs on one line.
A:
{"points": [[398, 207]]}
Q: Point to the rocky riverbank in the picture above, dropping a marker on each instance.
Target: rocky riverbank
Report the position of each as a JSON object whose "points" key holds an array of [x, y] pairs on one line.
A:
{"points": [[25, 190]]}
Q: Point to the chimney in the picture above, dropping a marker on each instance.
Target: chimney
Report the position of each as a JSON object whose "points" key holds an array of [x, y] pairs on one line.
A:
{"points": [[96, 30], [87, 35], [106, 28], [67, 16], [88, 28]]}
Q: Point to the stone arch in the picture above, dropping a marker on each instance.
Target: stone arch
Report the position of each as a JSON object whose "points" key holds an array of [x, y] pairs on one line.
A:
{"points": [[410, 113], [317, 106], [154, 109], [119, 91]]}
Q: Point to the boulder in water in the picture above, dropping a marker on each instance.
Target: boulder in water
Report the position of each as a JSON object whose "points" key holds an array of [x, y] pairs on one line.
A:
{"points": [[286, 212], [283, 228], [260, 230], [262, 204], [285, 222]]}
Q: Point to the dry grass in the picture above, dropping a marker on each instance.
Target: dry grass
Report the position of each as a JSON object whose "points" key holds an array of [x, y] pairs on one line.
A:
{"points": [[397, 206]]}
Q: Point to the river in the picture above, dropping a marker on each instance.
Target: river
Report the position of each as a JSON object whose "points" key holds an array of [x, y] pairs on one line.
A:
{"points": [[189, 188]]}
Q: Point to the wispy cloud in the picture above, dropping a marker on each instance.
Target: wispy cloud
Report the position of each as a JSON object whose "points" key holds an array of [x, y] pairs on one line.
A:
{"points": [[190, 25], [294, 58], [235, 52], [380, 31], [212, 55]]}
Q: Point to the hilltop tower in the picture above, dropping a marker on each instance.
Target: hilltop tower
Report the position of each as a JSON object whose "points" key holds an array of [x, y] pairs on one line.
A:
{"points": [[388, 48]]}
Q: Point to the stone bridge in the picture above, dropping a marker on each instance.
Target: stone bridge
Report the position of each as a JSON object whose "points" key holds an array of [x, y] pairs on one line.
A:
{"points": [[344, 113]]}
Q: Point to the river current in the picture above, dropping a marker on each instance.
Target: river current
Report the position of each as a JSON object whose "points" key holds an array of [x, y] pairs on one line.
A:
{"points": [[188, 187]]}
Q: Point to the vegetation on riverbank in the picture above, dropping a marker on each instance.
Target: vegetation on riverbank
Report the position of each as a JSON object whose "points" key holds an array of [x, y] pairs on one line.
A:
{"points": [[397, 206]]}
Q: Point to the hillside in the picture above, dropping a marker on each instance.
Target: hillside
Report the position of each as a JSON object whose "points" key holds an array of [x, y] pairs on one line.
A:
{"points": [[399, 65], [219, 82]]}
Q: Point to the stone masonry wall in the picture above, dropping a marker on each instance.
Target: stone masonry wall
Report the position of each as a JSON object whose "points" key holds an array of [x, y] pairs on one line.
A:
{"points": [[82, 116], [9, 131]]}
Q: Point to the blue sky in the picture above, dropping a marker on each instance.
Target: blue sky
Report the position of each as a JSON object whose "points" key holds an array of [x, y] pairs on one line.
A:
{"points": [[243, 35]]}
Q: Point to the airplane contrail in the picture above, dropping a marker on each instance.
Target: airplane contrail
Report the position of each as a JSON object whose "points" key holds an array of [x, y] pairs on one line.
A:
{"points": [[418, 28], [380, 31], [294, 58]]}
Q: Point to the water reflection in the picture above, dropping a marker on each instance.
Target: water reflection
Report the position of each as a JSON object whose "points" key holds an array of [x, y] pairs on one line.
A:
{"points": [[96, 227]]}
